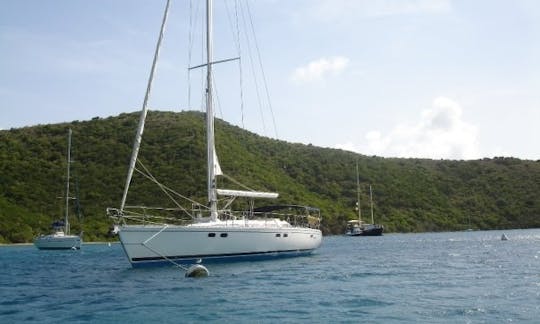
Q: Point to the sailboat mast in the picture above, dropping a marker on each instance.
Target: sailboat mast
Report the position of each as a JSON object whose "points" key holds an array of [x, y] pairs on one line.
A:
{"points": [[66, 220], [371, 202], [358, 195], [212, 195], [144, 111]]}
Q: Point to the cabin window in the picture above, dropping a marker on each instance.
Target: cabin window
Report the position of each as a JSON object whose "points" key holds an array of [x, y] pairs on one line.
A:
{"points": [[223, 234], [285, 235], [278, 235], [211, 234]]}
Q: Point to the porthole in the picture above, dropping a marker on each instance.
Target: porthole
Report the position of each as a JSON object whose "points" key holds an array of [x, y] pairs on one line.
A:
{"points": [[285, 235], [211, 234], [278, 235], [223, 234]]}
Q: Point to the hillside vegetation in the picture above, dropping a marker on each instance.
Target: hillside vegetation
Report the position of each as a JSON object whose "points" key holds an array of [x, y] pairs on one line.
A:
{"points": [[410, 195]]}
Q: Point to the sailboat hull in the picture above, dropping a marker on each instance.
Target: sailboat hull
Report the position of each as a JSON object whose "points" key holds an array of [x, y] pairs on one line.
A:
{"points": [[58, 242], [374, 231], [159, 245], [365, 230]]}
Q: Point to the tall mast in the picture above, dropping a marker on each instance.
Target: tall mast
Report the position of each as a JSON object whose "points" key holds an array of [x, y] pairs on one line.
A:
{"points": [[371, 202], [66, 221], [358, 194], [212, 195], [144, 111]]}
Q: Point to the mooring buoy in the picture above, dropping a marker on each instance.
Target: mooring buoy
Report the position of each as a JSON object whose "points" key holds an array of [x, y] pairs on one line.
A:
{"points": [[197, 271]]}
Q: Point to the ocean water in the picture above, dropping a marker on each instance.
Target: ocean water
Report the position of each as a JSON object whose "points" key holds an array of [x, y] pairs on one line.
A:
{"points": [[457, 277]]}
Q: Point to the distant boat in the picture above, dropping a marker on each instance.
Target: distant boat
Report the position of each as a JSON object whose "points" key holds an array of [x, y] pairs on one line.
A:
{"points": [[357, 227], [212, 232], [469, 227], [61, 238], [504, 237]]}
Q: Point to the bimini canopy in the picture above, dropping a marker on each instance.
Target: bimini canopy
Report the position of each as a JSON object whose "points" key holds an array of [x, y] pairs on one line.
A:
{"points": [[248, 194], [58, 223]]}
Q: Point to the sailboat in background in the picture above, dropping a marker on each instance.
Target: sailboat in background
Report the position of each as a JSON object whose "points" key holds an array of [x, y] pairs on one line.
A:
{"points": [[212, 232], [357, 227], [61, 238], [371, 229]]}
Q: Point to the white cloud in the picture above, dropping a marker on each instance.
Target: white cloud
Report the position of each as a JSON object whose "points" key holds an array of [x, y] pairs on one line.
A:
{"points": [[441, 132], [349, 146], [319, 69], [337, 10]]}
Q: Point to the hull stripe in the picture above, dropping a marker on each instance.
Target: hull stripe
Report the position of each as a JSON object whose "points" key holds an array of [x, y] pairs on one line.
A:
{"points": [[202, 256]]}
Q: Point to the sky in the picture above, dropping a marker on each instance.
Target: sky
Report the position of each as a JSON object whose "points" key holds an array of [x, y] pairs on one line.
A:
{"points": [[438, 79]]}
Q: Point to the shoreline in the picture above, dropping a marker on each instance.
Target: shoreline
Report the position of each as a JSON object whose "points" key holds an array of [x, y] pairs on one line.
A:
{"points": [[84, 243]]}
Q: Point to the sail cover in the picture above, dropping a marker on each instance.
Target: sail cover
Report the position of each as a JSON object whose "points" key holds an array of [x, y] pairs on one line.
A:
{"points": [[248, 194]]}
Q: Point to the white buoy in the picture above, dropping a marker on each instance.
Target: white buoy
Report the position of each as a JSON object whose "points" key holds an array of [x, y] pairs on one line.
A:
{"points": [[197, 271], [504, 237]]}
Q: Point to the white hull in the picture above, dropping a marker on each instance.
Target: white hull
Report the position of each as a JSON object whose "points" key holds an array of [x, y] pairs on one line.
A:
{"points": [[154, 244], [354, 233], [58, 242]]}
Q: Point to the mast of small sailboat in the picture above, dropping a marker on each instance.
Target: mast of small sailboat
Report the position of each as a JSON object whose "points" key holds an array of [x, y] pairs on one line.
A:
{"points": [[211, 155], [358, 195], [371, 203], [66, 220]]}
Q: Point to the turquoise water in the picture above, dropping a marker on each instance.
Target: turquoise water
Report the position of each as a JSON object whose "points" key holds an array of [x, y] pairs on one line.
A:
{"points": [[459, 277]]}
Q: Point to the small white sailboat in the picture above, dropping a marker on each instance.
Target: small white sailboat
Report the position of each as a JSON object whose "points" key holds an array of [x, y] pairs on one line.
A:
{"points": [[61, 238], [213, 232]]}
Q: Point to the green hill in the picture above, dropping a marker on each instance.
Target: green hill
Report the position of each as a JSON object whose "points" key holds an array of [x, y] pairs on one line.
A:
{"points": [[411, 195]]}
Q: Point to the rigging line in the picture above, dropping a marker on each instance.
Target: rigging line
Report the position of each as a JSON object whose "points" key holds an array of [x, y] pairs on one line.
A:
{"points": [[237, 182], [215, 88], [257, 92], [239, 48], [216, 95], [190, 52], [202, 59], [231, 26], [236, 36], [262, 68], [161, 254], [150, 218], [171, 190], [214, 62], [165, 257], [156, 234], [194, 20], [164, 188]]}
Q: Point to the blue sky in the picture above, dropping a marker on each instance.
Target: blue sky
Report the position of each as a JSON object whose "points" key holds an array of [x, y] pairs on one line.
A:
{"points": [[395, 78]]}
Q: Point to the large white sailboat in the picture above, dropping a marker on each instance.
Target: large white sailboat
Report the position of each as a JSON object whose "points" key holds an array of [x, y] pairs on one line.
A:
{"points": [[213, 231], [61, 238]]}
